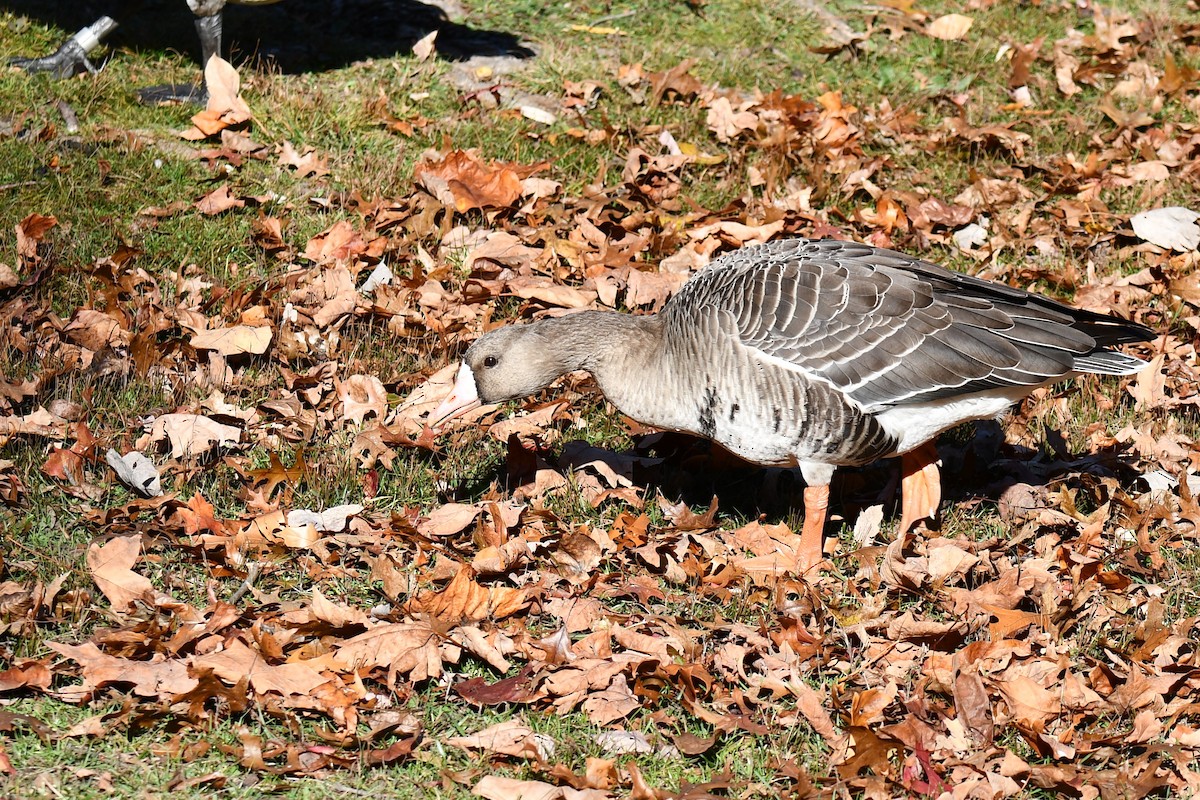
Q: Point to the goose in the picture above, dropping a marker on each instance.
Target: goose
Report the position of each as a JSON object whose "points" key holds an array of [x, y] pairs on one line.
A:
{"points": [[814, 354], [72, 56]]}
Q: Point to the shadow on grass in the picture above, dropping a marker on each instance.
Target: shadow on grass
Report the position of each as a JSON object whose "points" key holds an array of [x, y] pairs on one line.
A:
{"points": [[978, 468], [293, 36]]}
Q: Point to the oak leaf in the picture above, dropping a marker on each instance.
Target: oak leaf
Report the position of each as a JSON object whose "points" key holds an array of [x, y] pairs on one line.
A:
{"points": [[237, 659], [161, 679], [362, 395], [409, 648]]}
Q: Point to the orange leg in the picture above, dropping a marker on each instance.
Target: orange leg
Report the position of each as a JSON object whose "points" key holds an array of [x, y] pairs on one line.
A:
{"points": [[920, 486], [812, 551]]}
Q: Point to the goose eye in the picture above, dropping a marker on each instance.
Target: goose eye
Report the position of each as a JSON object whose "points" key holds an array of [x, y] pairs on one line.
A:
{"points": [[490, 362]]}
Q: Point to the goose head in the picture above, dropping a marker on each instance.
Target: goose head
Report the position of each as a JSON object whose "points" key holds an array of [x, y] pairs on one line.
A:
{"points": [[507, 363]]}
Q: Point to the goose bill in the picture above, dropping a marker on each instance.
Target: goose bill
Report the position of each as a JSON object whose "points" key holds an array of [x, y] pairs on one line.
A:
{"points": [[462, 399]]}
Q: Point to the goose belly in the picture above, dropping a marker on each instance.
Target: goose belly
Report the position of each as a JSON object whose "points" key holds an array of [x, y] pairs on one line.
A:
{"points": [[913, 425], [768, 416], [755, 441]]}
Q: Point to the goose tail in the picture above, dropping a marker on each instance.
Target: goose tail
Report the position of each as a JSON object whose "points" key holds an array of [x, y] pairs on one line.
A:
{"points": [[1108, 362]]}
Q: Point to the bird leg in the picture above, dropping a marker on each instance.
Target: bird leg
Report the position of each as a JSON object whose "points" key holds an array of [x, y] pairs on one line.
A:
{"points": [[920, 486], [208, 28], [812, 535]]}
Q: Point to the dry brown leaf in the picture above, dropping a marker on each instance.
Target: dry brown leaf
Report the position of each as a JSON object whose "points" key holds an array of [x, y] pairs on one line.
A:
{"points": [[409, 648], [950, 27], [161, 679], [449, 519], [1029, 702], [1149, 386], [465, 600], [310, 162], [218, 201], [424, 48], [461, 180], [30, 232], [611, 704], [235, 340], [555, 294], [1174, 227], [237, 661], [502, 247], [225, 106], [97, 330], [510, 738], [362, 395], [190, 435], [728, 124], [111, 566], [494, 787]]}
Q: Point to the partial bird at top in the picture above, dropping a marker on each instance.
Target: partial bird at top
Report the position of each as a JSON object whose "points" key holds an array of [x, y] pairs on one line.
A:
{"points": [[72, 56], [315, 34], [816, 354]]}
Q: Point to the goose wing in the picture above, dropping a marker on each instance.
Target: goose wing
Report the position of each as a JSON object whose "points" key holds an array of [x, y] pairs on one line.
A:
{"points": [[886, 329]]}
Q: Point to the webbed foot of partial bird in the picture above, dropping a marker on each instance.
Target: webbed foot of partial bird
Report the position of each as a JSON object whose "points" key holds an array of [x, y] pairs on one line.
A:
{"points": [[72, 56], [170, 93]]}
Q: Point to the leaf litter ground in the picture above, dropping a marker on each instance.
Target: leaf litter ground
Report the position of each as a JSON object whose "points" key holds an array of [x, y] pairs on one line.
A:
{"points": [[295, 604]]}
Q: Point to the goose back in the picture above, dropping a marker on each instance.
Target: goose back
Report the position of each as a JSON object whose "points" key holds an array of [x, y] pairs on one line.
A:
{"points": [[884, 329]]}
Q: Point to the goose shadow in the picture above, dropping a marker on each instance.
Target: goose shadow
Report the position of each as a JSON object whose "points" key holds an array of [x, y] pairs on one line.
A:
{"points": [[980, 470], [292, 36]]}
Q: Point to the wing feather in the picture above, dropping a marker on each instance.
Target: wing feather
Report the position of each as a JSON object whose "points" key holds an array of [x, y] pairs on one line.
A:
{"points": [[887, 329]]}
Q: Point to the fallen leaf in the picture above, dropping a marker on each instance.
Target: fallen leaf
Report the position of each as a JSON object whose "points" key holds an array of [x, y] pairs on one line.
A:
{"points": [[424, 48], [190, 435], [111, 566], [234, 341], [950, 27], [510, 738], [1173, 228]]}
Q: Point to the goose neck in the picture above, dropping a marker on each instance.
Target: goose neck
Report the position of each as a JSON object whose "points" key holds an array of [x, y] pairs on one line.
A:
{"points": [[597, 341]]}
